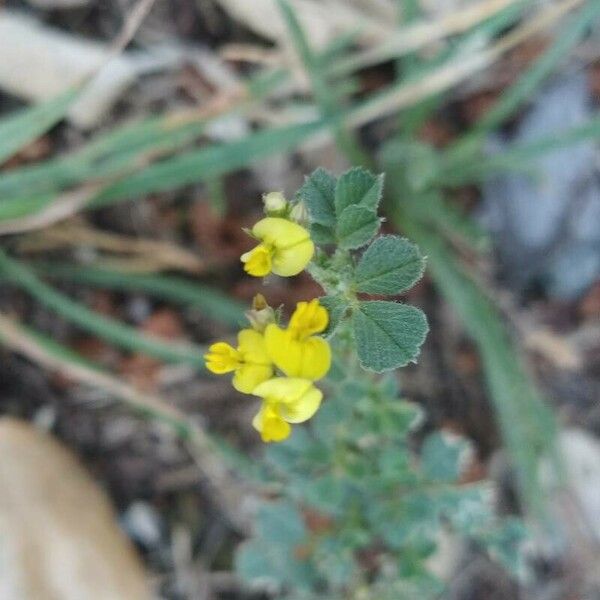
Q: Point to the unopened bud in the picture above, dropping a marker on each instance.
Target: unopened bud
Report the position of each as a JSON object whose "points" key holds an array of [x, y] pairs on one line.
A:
{"points": [[275, 204], [299, 213], [261, 314]]}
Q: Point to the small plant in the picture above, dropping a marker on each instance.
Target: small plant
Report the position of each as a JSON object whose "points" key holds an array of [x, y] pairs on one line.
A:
{"points": [[360, 509]]}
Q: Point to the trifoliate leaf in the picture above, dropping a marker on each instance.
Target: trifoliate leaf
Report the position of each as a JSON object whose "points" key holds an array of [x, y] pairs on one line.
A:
{"points": [[336, 306], [358, 186], [321, 235], [388, 334], [356, 226], [318, 193], [390, 265]]}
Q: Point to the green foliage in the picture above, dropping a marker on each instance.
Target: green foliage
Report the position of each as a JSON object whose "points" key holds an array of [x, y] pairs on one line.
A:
{"points": [[362, 429], [391, 265], [388, 334], [356, 225], [318, 193], [352, 485]]}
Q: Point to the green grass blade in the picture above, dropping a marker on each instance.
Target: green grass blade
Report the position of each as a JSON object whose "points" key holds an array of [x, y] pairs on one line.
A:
{"points": [[521, 157], [527, 423], [19, 129], [128, 146], [514, 97], [108, 329], [213, 303], [323, 89], [213, 161]]}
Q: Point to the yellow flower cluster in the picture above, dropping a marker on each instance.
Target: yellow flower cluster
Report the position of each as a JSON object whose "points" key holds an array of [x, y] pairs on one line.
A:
{"points": [[296, 351], [277, 364]]}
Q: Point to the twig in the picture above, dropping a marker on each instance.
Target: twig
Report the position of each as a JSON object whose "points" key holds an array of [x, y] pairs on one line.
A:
{"points": [[227, 491]]}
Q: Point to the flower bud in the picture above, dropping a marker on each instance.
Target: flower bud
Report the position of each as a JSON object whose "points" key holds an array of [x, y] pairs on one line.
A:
{"points": [[275, 204], [299, 213], [261, 314]]}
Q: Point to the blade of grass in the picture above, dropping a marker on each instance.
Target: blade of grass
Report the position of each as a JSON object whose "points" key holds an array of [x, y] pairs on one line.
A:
{"points": [[190, 167], [207, 163], [521, 157], [527, 424], [416, 35], [214, 304], [323, 89], [108, 329], [514, 97], [21, 128], [404, 94], [128, 144]]}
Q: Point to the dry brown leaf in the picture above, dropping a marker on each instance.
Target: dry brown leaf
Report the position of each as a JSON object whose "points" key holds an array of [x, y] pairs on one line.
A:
{"points": [[58, 533]]}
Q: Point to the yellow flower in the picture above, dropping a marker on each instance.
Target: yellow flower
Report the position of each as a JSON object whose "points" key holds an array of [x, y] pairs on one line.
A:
{"points": [[296, 350], [285, 400], [249, 361], [285, 248]]}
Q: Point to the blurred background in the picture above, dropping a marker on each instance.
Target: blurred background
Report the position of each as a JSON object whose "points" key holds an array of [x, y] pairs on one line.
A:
{"points": [[136, 140]]}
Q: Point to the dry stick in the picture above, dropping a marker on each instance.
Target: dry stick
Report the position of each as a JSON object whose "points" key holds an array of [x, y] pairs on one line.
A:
{"points": [[451, 74], [227, 491]]}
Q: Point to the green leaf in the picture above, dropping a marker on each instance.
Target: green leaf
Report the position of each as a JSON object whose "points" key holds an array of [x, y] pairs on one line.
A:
{"points": [[321, 235], [318, 194], [390, 265], [356, 226], [336, 307], [280, 523], [358, 186], [442, 456], [388, 334]]}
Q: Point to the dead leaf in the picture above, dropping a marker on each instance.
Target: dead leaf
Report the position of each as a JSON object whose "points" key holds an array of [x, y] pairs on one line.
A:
{"points": [[58, 533]]}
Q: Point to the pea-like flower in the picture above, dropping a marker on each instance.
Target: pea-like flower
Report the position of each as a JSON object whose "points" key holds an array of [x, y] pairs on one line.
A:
{"points": [[285, 400], [250, 361], [297, 351], [285, 248]]}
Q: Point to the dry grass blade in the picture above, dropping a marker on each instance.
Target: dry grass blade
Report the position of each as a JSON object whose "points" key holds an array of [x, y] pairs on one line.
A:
{"points": [[68, 204], [415, 37], [227, 491], [155, 255], [453, 73]]}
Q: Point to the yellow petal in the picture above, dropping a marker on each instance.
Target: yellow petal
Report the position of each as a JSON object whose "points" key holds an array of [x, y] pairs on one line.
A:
{"points": [[309, 318], [281, 389], [279, 233], [303, 408], [316, 358], [222, 358], [271, 426], [292, 260], [257, 262], [308, 359], [251, 345], [248, 376]]}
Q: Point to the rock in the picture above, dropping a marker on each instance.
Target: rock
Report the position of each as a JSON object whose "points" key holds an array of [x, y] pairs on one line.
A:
{"points": [[58, 532], [546, 226]]}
